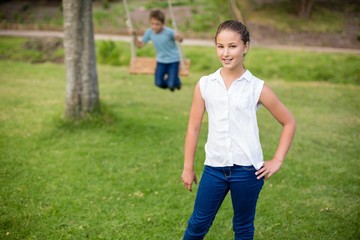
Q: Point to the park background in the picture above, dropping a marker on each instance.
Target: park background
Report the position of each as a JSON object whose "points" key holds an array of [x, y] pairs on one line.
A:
{"points": [[116, 175]]}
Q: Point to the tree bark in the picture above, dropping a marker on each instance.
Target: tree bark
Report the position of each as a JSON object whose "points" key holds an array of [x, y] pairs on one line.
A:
{"points": [[82, 93], [304, 8], [235, 9]]}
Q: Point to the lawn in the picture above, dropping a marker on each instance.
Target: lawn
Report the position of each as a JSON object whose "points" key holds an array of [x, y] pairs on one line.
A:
{"points": [[117, 175], [270, 64]]}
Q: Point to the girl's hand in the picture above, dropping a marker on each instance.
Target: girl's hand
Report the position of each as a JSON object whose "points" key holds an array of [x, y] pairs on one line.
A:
{"points": [[268, 169], [188, 177]]}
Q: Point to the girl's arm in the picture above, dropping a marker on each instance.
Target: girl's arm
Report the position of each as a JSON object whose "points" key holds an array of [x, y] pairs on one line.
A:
{"points": [[188, 175], [286, 119]]}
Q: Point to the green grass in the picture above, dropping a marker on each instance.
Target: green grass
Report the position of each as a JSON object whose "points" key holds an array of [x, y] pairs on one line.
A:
{"points": [[117, 175], [284, 65], [282, 16], [32, 50]]}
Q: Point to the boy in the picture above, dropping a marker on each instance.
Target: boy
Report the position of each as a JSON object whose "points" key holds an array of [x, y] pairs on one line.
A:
{"points": [[167, 53]]}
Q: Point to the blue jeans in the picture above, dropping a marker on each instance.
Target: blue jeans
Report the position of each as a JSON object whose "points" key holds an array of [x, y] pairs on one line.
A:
{"points": [[172, 71], [214, 185]]}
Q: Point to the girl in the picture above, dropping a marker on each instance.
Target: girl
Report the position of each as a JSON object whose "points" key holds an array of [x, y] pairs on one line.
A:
{"points": [[234, 159]]}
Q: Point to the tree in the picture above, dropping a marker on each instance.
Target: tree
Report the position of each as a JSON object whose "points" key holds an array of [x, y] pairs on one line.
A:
{"points": [[304, 8], [236, 11], [82, 93]]}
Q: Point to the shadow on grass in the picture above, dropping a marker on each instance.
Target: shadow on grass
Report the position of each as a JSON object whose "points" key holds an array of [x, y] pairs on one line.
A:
{"points": [[140, 129], [99, 119]]}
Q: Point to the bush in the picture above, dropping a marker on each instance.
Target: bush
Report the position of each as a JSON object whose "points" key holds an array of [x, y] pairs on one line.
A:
{"points": [[43, 50], [109, 53]]}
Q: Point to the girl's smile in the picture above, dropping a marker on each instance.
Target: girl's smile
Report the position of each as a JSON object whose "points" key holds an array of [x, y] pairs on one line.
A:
{"points": [[230, 49], [227, 60]]}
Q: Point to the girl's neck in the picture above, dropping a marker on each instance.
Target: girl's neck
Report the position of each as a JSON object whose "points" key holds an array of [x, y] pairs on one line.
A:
{"points": [[230, 75]]}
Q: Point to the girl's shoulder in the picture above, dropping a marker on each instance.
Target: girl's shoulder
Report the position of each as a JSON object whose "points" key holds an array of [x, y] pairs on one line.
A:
{"points": [[255, 79], [207, 82], [213, 76], [257, 83]]}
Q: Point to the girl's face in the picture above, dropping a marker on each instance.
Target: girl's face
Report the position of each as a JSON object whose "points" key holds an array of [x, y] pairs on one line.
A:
{"points": [[230, 49], [156, 25]]}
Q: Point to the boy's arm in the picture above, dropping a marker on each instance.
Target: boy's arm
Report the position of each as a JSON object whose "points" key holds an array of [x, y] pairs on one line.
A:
{"points": [[136, 42], [179, 37]]}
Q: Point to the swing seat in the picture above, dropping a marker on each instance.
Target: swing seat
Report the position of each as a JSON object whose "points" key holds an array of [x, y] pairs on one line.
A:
{"points": [[147, 65]]}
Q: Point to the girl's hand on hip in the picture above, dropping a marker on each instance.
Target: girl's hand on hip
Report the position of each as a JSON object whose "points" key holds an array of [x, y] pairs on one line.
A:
{"points": [[188, 177], [268, 169]]}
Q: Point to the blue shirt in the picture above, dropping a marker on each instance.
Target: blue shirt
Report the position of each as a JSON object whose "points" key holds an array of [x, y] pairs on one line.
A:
{"points": [[165, 45]]}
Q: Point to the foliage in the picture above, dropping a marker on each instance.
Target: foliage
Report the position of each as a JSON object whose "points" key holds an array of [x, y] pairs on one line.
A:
{"points": [[34, 50], [116, 176], [108, 53], [280, 17], [203, 21], [109, 16], [110, 19], [164, 4], [268, 64]]}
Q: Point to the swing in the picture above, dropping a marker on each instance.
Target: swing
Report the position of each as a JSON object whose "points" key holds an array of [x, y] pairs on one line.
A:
{"points": [[147, 65]]}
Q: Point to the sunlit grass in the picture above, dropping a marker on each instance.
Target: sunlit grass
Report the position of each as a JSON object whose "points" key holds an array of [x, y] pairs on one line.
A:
{"points": [[117, 175]]}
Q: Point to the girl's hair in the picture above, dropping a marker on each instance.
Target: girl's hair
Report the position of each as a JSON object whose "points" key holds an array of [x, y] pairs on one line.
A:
{"points": [[158, 15], [236, 26]]}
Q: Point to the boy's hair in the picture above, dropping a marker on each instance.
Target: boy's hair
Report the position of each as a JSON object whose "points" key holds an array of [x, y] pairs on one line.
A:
{"points": [[158, 15], [236, 26]]}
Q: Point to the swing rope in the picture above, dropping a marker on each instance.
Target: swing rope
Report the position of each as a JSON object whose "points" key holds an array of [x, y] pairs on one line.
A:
{"points": [[182, 61], [131, 29]]}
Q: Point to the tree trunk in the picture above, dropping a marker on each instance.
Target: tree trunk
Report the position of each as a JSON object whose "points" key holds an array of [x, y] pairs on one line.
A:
{"points": [[82, 93], [304, 8], [235, 9]]}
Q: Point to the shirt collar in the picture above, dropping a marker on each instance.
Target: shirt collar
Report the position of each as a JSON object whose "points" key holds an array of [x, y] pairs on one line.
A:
{"points": [[216, 76], [246, 75]]}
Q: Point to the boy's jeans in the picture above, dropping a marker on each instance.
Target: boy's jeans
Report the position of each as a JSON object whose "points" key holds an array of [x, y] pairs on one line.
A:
{"points": [[214, 185], [172, 71]]}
